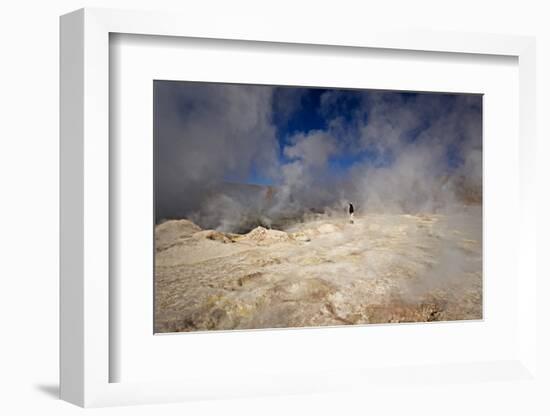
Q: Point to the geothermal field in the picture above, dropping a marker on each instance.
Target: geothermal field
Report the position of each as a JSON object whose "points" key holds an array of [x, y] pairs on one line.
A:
{"points": [[254, 191], [320, 271]]}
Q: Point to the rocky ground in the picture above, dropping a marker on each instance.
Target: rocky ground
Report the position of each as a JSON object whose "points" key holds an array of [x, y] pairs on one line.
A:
{"points": [[324, 271]]}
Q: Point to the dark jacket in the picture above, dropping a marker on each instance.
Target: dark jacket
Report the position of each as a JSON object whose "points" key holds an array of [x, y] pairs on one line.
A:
{"points": [[351, 208]]}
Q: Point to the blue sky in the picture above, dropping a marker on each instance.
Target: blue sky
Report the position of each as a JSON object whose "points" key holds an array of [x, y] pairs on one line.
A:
{"points": [[309, 113]]}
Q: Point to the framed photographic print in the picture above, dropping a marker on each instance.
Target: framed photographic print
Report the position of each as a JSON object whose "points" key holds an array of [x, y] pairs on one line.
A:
{"points": [[276, 213]]}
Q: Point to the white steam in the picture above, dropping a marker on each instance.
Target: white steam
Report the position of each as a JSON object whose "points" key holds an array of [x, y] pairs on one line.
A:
{"points": [[405, 153]]}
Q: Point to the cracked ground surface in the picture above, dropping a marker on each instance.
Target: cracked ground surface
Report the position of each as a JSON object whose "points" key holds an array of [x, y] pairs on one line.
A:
{"points": [[324, 271]]}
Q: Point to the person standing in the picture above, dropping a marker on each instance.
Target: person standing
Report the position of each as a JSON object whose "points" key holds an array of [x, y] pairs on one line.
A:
{"points": [[351, 211]]}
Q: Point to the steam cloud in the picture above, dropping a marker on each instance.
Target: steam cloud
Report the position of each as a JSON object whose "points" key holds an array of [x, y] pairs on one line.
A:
{"points": [[316, 148]]}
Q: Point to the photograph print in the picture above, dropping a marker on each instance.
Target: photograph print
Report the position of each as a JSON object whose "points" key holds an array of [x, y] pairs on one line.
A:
{"points": [[291, 207]]}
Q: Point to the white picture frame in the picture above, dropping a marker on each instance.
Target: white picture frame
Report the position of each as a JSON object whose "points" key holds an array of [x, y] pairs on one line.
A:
{"points": [[85, 217]]}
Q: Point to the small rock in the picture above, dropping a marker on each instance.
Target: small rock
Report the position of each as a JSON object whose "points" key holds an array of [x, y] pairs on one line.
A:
{"points": [[301, 237], [213, 235], [265, 236]]}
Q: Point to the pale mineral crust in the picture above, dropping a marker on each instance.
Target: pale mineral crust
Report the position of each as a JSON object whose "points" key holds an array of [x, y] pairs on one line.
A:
{"points": [[383, 268]]}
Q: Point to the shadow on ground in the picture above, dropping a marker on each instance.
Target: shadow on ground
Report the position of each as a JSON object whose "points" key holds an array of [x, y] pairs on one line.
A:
{"points": [[51, 390]]}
